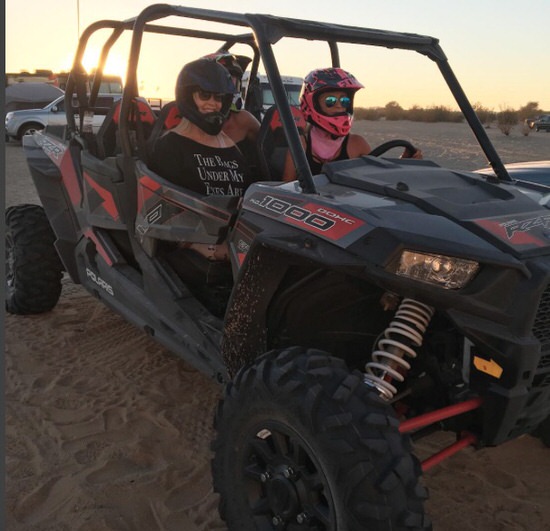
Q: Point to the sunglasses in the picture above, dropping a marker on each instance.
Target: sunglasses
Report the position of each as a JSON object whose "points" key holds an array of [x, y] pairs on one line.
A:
{"points": [[205, 96], [331, 101]]}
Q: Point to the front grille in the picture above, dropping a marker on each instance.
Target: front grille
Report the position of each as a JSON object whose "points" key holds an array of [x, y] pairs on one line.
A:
{"points": [[541, 328]]}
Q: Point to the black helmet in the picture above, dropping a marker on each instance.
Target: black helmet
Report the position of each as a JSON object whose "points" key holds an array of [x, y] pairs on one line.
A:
{"points": [[209, 76], [236, 64]]}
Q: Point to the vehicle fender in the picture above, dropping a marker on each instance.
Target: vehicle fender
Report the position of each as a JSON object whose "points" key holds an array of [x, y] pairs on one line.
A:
{"points": [[31, 122], [245, 334]]}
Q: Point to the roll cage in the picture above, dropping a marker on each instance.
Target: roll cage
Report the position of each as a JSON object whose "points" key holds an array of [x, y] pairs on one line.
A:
{"points": [[265, 31]]}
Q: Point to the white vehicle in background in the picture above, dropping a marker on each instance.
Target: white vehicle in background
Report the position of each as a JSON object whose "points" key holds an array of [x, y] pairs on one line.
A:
{"points": [[292, 85], [28, 121]]}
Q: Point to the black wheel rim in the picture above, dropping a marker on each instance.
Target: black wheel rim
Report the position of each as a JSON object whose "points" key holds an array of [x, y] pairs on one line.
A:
{"points": [[284, 482]]}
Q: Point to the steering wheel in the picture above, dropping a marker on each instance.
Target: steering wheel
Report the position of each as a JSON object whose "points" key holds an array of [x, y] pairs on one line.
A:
{"points": [[386, 146]]}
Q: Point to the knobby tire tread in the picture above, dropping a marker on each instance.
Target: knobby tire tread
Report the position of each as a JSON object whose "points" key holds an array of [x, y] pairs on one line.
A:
{"points": [[370, 465], [33, 269]]}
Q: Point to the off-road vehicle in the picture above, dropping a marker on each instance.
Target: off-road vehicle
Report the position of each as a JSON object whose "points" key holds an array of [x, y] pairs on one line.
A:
{"points": [[361, 308]]}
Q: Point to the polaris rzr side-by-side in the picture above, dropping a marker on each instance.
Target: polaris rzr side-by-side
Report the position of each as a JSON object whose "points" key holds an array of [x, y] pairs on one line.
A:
{"points": [[360, 308]]}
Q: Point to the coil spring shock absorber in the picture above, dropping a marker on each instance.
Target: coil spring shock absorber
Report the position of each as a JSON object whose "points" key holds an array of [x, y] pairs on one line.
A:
{"points": [[404, 332]]}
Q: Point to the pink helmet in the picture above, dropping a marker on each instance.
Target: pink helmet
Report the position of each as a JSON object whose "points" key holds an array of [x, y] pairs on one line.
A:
{"points": [[322, 80]]}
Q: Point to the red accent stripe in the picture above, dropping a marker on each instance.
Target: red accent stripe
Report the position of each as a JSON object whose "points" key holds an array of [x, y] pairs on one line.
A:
{"points": [[108, 200], [518, 238], [70, 180]]}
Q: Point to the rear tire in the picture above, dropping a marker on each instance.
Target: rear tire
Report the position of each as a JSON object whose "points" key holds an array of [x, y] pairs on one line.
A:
{"points": [[33, 267], [305, 444]]}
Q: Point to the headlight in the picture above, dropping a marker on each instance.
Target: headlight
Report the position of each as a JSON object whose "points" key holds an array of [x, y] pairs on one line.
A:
{"points": [[8, 117], [445, 271]]}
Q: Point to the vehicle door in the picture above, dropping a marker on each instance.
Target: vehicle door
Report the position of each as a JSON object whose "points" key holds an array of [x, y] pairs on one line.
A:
{"points": [[56, 114]]}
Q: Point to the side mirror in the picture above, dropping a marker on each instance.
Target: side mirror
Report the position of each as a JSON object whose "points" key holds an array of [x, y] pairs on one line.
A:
{"points": [[55, 108]]}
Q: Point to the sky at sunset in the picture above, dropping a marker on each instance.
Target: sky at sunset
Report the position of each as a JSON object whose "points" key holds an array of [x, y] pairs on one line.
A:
{"points": [[497, 48]]}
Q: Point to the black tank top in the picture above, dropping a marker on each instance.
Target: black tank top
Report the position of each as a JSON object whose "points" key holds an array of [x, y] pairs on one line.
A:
{"points": [[315, 165], [203, 169]]}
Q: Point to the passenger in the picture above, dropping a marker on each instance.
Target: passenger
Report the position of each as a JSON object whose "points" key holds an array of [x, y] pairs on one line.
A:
{"points": [[327, 105], [241, 126], [197, 154]]}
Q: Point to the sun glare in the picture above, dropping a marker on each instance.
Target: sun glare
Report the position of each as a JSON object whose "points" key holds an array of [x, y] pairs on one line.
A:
{"points": [[90, 59], [115, 64], [66, 63]]}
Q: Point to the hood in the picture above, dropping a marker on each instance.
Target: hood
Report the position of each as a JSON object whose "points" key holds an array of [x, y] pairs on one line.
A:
{"points": [[500, 214]]}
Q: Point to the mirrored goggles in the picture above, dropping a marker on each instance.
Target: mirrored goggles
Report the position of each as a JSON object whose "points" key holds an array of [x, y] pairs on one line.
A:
{"points": [[331, 101]]}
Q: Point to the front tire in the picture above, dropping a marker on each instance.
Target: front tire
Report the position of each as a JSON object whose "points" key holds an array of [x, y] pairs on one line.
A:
{"points": [[29, 130], [33, 267], [305, 444]]}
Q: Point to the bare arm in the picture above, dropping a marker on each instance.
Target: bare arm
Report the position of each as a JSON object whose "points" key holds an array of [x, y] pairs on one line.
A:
{"points": [[357, 146], [251, 125], [289, 172], [242, 125]]}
